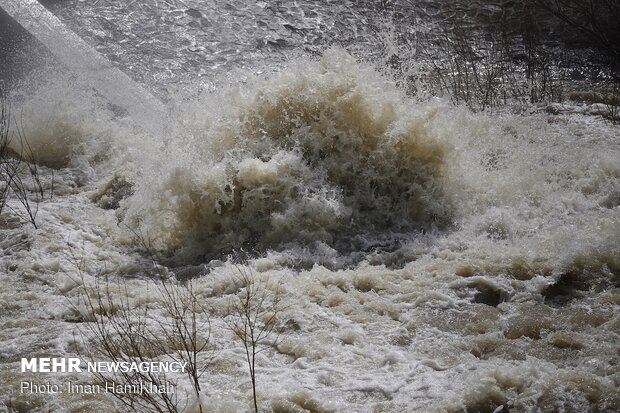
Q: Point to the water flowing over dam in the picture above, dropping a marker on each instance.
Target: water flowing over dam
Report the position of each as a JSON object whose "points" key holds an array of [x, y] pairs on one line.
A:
{"points": [[82, 60], [345, 206]]}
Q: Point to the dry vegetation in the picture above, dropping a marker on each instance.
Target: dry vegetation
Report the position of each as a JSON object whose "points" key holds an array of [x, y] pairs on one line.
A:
{"points": [[492, 53], [19, 174], [253, 319], [173, 325]]}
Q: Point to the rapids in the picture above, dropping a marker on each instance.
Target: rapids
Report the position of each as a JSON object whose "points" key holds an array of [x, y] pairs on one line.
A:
{"points": [[426, 257]]}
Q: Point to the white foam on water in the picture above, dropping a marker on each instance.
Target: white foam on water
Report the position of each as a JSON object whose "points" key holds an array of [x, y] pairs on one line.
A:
{"points": [[428, 258]]}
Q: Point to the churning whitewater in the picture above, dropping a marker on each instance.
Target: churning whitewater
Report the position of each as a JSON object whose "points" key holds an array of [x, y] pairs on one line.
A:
{"points": [[326, 153], [424, 257]]}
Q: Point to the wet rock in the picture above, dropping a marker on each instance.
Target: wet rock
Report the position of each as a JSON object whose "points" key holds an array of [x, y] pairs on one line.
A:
{"points": [[489, 296], [564, 290]]}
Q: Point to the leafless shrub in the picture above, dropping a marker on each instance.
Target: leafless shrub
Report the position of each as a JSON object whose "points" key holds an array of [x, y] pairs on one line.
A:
{"points": [[4, 150], [253, 317], [613, 103], [143, 241], [492, 61], [19, 174], [184, 332], [598, 20], [120, 330]]}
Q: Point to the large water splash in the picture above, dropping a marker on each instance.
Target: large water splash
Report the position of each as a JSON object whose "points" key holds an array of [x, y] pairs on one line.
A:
{"points": [[327, 150]]}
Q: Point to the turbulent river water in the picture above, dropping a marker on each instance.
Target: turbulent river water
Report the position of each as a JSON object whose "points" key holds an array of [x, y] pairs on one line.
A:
{"points": [[425, 258]]}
